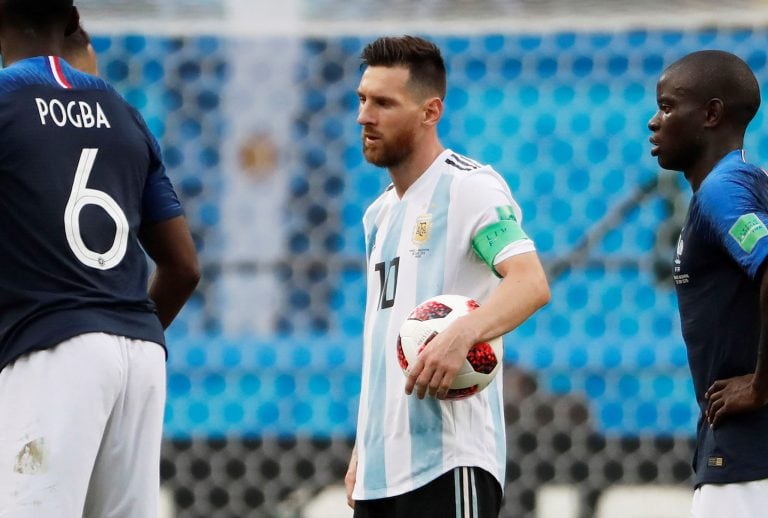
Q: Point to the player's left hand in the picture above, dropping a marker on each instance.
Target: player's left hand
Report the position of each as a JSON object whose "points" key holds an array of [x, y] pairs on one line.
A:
{"points": [[731, 396], [439, 362]]}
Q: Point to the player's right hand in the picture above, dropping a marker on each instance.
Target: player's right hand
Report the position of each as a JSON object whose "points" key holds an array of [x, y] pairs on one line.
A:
{"points": [[437, 365]]}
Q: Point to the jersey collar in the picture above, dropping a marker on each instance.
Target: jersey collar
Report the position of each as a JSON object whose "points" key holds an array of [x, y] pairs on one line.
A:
{"points": [[56, 70]]}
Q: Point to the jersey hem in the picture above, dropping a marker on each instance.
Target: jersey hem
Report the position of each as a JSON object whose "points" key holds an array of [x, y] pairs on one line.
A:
{"points": [[50, 330], [424, 479], [744, 476]]}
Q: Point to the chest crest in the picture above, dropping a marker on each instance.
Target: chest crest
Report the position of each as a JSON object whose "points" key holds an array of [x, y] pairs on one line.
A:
{"points": [[422, 229]]}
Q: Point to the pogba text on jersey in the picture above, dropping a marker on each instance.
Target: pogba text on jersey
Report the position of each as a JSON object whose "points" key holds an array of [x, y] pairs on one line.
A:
{"points": [[78, 114]]}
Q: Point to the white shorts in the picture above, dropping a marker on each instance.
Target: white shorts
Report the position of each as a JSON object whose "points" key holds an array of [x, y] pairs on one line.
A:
{"points": [[741, 500], [81, 430]]}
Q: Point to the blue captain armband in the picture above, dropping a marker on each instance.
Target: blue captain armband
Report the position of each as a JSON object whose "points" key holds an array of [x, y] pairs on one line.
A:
{"points": [[495, 237]]}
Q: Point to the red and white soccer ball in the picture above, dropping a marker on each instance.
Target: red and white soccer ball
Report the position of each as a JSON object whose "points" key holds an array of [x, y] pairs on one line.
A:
{"points": [[427, 320]]}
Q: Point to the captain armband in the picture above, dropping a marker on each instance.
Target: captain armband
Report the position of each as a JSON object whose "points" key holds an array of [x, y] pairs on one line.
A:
{"points": [[495, 237]]}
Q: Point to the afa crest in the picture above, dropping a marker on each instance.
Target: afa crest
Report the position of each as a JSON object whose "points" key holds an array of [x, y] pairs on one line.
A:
{"points": [[422, 229]]}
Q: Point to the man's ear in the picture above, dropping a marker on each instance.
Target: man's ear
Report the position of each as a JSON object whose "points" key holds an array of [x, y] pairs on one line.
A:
{"points": [[73, 23], [433, 111], [715, 110]]}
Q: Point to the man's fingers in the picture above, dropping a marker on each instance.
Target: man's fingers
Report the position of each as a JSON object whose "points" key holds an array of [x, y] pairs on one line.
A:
{"points": [[422, 382], [714, 418], [439, 385], [430, 381], [716, 388], [434, 383], [429, 378], [715, 411], [413, 375]]}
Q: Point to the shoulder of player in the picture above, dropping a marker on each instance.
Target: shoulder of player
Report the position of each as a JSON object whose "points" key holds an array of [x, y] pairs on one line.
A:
{"points": [[18, 78], [731, 188], [15, 77], [37, 71], [464, 167], [472, 175], [737, 177], [460, 163]]}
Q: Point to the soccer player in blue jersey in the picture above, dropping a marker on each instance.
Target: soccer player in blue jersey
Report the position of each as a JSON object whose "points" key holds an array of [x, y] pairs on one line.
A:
{"points": [[83, 196], [705, 102], [446, 225]]}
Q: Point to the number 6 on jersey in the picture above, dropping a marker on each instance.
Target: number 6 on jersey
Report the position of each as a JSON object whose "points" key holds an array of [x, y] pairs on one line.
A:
{"points": [[79, 198]]}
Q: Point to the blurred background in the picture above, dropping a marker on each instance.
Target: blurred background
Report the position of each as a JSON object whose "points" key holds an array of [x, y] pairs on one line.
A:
{"points": [[254, 105]]}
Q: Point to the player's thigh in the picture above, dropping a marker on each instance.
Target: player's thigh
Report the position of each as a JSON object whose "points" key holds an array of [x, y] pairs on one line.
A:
{"points": [[465, 492], [126, 475], [741, 500], [54, 404]]}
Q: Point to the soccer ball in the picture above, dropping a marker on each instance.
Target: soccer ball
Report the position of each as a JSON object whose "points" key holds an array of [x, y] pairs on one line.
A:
{"points": [[426, 321]]}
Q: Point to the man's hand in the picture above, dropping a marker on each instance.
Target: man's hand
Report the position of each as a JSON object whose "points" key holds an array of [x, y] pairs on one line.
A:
{"points": [[439, 362], [350, 478], [732, 396], [520, 294]]}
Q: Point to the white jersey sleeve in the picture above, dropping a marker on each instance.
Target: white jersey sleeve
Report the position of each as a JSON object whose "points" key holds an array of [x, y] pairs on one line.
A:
{"points": [[493, 217]]}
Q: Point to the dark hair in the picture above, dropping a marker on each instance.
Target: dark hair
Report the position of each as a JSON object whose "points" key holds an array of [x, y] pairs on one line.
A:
{"points": [[716, 73], [37, 13], [422, 58]]}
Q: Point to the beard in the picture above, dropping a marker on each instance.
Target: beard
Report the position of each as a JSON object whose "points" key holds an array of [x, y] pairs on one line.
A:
{"points": [[391, 153]]}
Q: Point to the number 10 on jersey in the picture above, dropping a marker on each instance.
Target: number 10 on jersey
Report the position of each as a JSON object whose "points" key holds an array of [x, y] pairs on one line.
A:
{"points": [[388, 282]]}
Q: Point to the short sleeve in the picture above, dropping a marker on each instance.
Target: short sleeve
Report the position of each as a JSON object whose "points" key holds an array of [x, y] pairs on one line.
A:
{"points": [[495, 219], [735, 205], [159, 200]]}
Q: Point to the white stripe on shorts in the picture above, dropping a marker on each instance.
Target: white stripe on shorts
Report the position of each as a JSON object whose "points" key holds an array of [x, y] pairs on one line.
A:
{"points": [[466, 492]]}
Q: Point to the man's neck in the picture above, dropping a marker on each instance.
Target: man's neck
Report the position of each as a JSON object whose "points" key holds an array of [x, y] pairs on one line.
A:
{"points": [[17, 45], [697, 174], [404, 175]]}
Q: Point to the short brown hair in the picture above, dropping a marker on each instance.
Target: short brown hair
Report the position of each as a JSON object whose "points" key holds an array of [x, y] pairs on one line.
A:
{"points": [[422, 58]]}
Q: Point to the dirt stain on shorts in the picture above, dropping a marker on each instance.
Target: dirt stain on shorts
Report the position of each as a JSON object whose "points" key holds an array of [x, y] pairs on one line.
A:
{"points": [[33, 458]]}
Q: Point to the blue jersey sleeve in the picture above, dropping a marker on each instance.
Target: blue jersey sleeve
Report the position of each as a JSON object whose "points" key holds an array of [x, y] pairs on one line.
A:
{"points": [[159, 202], [735, 206]]}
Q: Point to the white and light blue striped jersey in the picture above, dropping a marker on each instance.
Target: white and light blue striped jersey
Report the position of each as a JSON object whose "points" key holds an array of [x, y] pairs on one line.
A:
{"points": [[443, 237]]}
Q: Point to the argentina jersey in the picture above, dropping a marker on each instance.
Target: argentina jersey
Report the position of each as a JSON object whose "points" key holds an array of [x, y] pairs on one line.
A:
{"points": [[79, 176], [442, 237]]}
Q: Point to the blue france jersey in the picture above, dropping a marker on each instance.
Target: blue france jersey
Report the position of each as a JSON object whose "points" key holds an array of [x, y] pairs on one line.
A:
{"points": [[79, 175], [720, 258]]}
